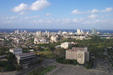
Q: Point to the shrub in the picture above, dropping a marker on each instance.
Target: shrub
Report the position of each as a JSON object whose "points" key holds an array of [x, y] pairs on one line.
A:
{"points": [[64, 61]]}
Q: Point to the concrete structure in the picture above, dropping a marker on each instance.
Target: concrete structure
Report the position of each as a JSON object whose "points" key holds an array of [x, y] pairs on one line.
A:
{"points": [[54, 38], [16, 50], [25, 58], [79, 32], [94, 31], [80, 37], [79, 54], [66, 45], [38, 34], [41, 40]]}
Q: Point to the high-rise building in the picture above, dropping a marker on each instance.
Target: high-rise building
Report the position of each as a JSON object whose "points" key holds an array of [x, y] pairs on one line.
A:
{"points": [[80, 32], [94, 31]]}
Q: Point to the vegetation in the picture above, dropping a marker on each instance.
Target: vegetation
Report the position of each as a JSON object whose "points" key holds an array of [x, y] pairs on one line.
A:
{"points": [[3, 50], [110, 55], [64, 61], [87, 65], [46, 54], [59, 52], [8, 65], [96, 45]]}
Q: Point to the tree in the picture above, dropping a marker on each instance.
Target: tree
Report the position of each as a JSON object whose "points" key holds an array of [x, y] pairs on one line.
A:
{"points": [[59, 52]]}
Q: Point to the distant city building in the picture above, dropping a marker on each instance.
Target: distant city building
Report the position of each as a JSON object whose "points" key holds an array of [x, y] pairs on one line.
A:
{"points": [[38, 34], [94, 31], [80, 37], [54, 38], [79, 32], [41, 40], [16, 31], [16, 50], [79, 54]]}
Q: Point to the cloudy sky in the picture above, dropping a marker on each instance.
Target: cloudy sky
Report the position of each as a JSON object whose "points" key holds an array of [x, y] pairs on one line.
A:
{"points": [[56, 14]]}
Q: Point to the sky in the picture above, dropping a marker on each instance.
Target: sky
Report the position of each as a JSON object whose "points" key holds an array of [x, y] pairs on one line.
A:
{"points": [[56, 14]]}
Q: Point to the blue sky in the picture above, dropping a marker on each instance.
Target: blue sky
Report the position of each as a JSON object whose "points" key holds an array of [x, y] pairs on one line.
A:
{"points": [[56, 14]]}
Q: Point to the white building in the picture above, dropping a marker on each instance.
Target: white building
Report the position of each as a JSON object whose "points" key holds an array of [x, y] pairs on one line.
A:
{"points": [[38, 34], [80, 32], [79, 54], [16, 50], [66, 45], [41, 38], [54, 38], [41, 41]]}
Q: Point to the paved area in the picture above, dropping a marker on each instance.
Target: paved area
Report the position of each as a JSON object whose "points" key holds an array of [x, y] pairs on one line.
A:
{"points": [[8, 73], [104, 65], [75, 70], [64, 69]]}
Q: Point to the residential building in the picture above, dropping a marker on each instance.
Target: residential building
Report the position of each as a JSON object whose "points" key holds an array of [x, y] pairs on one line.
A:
{"points": [[41, 40], [66, 45], [25, 58], [16, 50], [79, 54], [54, 38]]}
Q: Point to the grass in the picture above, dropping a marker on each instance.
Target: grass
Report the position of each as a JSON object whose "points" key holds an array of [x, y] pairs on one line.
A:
{"points": [[42, 70], [47, 54]]}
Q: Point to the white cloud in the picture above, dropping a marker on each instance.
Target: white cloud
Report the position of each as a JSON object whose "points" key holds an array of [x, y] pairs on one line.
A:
{"points": [[39, 4], [92, 16], [76, 11], [20, 7], [94, 11], [108, 10], [75, 20], [30, 21]]}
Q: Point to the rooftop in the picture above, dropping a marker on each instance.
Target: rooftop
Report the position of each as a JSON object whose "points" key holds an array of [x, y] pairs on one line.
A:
{"points": [[79, 48]]}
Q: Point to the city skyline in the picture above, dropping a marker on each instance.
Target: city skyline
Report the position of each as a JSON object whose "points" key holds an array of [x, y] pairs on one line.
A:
{"points": [[56, 14]]}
